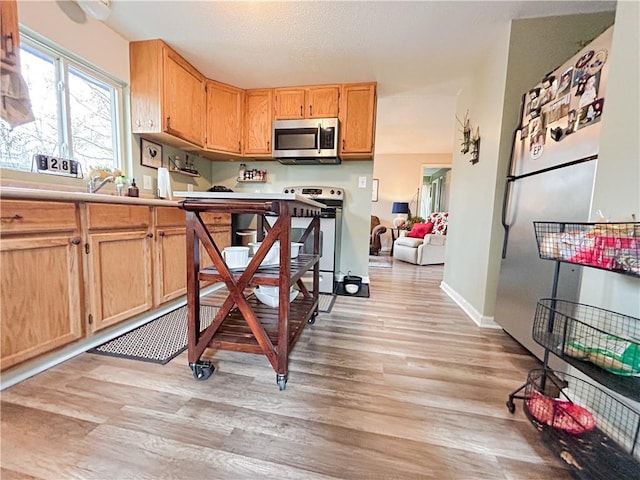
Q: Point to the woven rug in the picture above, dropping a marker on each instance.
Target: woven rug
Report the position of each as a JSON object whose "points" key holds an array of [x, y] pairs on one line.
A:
{"points": [[380, 261], [325, 302], [158, 341]]}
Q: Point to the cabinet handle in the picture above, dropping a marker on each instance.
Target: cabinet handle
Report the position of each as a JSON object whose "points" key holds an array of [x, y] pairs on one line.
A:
{"points": [[301, 111], [162, 234], [168, 123], [17, 216], [151, 123], [268, 145], [310, 110], [149, 235], [138, 123], [239, 148], [75, 241], [343, 147]]}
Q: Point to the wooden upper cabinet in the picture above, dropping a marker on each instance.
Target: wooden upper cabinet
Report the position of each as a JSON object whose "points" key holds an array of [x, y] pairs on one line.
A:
{"points": [[323, 102], [224, 117], [290, 103], [307, 102], [258, 115], [167, 95], [357, 120], [10, 37]]}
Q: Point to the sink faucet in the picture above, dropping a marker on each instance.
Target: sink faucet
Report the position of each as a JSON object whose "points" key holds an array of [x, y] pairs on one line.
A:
{"points": [[93, 188]]}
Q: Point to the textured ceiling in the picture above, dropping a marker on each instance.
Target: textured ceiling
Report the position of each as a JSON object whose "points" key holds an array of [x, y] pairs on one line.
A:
{"points": [[414, 50]]}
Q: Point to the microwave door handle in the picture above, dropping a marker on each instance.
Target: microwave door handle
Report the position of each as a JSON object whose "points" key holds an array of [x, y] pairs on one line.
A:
{"points": [[319, 137]]}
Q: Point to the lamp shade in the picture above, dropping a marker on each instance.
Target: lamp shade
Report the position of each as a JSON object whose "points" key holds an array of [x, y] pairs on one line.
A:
{"points": [[400, 207]]}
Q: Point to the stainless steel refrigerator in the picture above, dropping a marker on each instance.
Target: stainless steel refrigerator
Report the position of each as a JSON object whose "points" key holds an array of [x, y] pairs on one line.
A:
{"points": [[551, 178]]}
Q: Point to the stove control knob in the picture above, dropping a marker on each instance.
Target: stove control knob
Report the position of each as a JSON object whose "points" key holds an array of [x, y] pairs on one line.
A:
{"points": [[293, 191], [339, 192], [333, 192], [286, 190]]}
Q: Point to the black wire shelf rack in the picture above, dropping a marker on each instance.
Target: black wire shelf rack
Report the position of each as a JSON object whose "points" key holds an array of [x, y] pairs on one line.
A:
{"points": [[603, 344], [606, 246], [589, 429]]}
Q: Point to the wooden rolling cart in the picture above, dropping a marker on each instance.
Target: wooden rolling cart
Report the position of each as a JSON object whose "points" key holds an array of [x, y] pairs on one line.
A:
{"points": [[243, 323], [592, 429]]}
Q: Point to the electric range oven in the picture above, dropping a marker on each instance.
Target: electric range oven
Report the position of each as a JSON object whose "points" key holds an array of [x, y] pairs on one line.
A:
{"points": [[330, 230]]}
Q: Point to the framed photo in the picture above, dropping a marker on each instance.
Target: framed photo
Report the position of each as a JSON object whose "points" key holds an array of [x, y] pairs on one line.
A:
{"points": [[374, 190], [150, 154]]}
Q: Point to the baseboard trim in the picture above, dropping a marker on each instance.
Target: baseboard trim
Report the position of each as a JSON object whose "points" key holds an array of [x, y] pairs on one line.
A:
{"points": [[482, 321]]}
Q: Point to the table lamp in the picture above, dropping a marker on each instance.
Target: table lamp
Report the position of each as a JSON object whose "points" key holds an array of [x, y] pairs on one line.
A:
{"points": [[401, 209]]}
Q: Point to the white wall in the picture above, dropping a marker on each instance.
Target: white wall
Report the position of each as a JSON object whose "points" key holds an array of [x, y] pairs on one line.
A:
{"points": [[526, 50], [357, 201], [617, 185]]}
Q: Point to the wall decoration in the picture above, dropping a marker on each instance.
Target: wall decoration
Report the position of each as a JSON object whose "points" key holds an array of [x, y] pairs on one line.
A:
{"points": [[565, 83], [374, 189], [475, 147], [559, 109], [150, 154], [466, 133], [589, 90], [590, 114]]}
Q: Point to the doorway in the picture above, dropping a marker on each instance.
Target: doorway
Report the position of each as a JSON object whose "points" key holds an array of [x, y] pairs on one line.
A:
{"points": [[436, 183]]}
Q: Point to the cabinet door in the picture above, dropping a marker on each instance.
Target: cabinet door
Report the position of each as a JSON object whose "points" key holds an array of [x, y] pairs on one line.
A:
{"points": [[119, 276], [170, 276], [257, 122], [10, 37], [290, 103], [40, 295], [357, 116], [183, 99], [323, 101], [224, 117]]}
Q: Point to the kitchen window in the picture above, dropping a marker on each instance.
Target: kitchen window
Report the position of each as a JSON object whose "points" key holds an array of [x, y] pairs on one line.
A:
{"points": [[77, 109]]}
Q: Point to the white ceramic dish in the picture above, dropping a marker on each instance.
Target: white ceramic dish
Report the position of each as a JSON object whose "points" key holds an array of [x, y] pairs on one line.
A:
{"points": [[272, 301], [295, 249]]}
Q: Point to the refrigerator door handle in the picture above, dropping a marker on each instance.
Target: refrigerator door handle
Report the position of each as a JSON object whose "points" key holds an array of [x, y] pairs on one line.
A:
{"points": [[505, 208]]}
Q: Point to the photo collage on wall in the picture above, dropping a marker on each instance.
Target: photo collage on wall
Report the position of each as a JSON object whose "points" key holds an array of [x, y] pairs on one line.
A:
{"points": [[567, 100]]}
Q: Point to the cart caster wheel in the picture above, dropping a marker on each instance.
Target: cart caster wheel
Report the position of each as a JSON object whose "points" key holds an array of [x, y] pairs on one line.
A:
{"points": [[312, 319], [202, 370], [281, 380], [511, 406]]}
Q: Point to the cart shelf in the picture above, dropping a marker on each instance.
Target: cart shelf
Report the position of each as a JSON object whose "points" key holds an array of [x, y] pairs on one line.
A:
{"points": [[268, 275], [606, 246], [603, 344], [234, 334], [610, 450]]}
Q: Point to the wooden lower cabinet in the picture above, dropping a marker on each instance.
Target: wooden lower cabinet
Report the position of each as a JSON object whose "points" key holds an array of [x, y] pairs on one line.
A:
{"points": [[119, 276], [119, 263], [40, 279], [170, 278]]}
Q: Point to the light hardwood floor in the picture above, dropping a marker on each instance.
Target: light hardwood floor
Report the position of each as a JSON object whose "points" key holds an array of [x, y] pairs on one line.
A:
{"points": [[398, 386]]}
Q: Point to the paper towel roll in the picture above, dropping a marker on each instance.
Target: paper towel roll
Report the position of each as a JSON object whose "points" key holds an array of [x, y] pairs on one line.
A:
{"points": [[164, 184]]}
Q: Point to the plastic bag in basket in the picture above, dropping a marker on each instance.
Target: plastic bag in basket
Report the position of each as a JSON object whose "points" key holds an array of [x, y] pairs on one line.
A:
{"points": [[560, 414]]}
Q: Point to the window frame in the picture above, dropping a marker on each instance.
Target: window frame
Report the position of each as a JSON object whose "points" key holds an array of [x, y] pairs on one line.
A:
{"points": [[64, 60]]}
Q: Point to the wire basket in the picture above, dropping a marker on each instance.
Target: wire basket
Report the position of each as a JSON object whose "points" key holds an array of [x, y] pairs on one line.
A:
{"points": [[593, 432], [606, 339], [607, 246]]}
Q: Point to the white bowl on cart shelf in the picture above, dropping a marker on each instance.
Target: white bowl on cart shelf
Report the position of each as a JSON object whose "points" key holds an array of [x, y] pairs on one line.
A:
{"points": [[273, 255], [269, 296]]}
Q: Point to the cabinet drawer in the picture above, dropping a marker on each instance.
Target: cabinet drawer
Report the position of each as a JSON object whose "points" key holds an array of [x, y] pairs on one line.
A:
{"points": [[170, 216], [102, 215], [212, 218], [19, 216]]}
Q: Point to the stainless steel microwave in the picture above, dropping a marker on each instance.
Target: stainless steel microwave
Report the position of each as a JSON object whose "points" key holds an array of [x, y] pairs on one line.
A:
{"points": [[305, 142]]}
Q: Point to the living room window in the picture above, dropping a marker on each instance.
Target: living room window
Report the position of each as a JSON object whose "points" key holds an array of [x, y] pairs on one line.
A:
{"points": [[77, 111]]}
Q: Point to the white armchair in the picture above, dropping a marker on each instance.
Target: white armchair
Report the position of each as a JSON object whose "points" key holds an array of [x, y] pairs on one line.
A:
{"points": [[428, 250]]}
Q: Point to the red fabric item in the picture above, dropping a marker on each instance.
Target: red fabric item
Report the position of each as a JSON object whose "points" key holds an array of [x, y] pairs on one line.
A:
{"points": [[560, 414], [419, 230]]}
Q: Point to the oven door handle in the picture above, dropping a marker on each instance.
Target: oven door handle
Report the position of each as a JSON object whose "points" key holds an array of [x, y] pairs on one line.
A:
{"points": [[319, 137]]}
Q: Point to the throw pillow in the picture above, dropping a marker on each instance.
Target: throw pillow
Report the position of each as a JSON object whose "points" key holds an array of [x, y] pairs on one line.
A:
{"points": [[419, 230]]}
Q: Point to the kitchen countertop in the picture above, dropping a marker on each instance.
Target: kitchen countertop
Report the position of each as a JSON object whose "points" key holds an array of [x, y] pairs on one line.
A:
{"points": [[15, 193], [240, 196]]}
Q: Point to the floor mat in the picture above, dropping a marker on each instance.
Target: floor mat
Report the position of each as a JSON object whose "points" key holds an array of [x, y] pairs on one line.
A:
{"points": [[380, 261], [325, 302], [158, 341], [363, 292]]}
